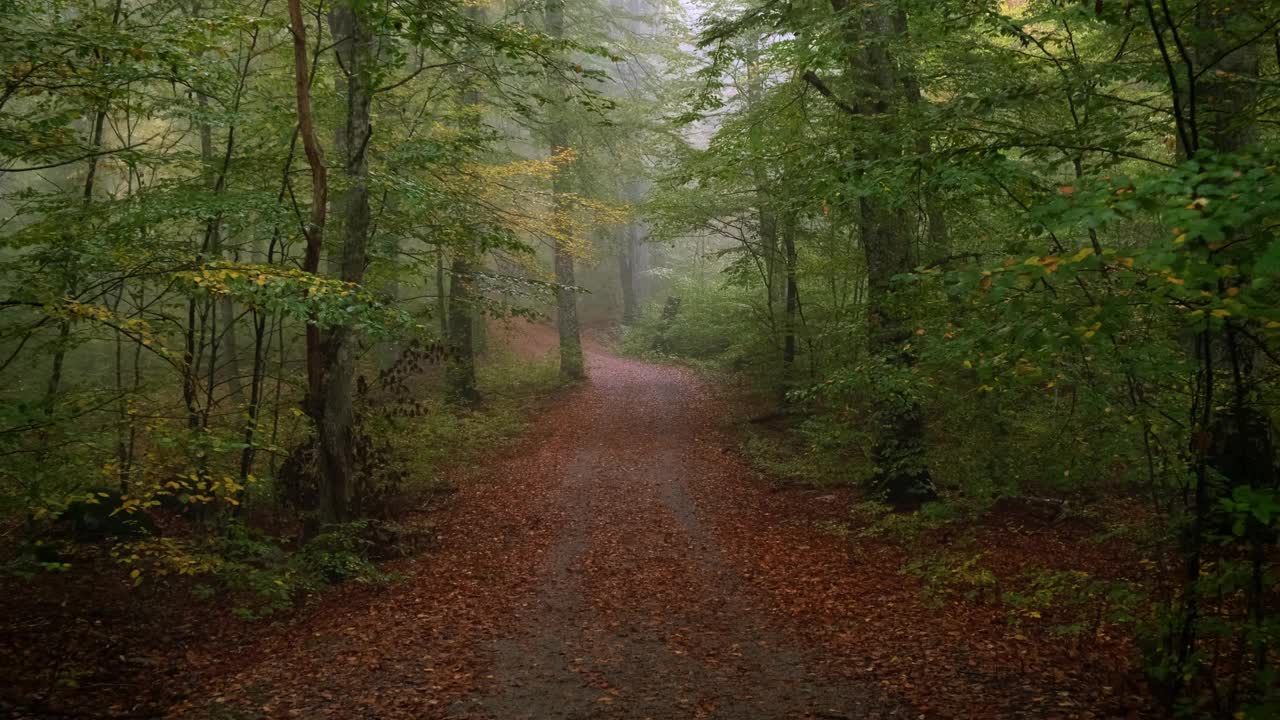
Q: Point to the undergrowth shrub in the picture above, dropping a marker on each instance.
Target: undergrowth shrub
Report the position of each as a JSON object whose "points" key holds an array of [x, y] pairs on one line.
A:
{"points": [[420, 448], [261, 575], [880, 520], [955, 574], [1075, 601], [711, 325], [231, 539]]}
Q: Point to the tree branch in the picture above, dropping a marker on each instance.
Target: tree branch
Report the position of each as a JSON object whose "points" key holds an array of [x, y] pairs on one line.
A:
{"points": [[812, 78]]}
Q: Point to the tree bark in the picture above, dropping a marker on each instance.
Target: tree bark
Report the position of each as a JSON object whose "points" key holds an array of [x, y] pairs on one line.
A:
{"points": [[766, 215], [572, 366], [935, 216], [627, 275], [792, 301], [442, 293], [1233, 435], [319, 196], [902, 472], [315, 356], [462, 298], [353, 44], [462, 358]]}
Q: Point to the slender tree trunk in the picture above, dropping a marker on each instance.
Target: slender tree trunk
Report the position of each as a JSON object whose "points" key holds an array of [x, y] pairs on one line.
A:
{"points": [[54, 385], [262, 339], [572, 366], [627, 275], [633, 235], [315, 357], [442, 294], [792, 301], [225, 344], [766, 216], [462, 296], [319, 198], [768, 236], [462, 359], [337, 431]]}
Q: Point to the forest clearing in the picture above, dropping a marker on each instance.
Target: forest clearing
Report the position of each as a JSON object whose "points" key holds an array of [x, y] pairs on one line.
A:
{"points": [[639, 359]]}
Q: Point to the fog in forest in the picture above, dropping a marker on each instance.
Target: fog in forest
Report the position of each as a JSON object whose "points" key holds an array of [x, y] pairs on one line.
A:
{"points": [[639, 359]]}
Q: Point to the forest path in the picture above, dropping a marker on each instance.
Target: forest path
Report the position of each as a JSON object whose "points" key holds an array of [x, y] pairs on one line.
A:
{"points": [[636, 613], [578, 577]]}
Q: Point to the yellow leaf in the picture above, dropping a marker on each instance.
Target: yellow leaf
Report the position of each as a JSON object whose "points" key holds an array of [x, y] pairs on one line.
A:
{"points": [[1221, 313], [1084, 253]]}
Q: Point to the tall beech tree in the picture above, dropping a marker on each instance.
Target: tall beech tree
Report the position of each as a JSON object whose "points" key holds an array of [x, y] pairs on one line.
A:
{"points": [[463, 306], [572, 365], [902, 472]]}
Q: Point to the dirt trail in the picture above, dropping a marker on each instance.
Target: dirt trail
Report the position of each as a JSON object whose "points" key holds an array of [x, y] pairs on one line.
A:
{"points": [[576, 578], [637, 614]]}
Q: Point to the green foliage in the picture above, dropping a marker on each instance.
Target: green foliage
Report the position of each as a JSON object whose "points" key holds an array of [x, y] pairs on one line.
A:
{"points": [[339, 554], [878, 520], [792, 460], [448, 436], [712, 326], [260, 575], [952, 575], [1077, 602]]}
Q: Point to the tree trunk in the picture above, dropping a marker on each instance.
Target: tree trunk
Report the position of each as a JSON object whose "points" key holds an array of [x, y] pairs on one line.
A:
{"points": [[1227, 94], [766, 217], [462, 358], [442, 294], [572, 366], [792, 301], [935, 217], [627, 274], [315, 359], [462, 301], [353, 43], [1217, 108], [902, 472], [54, 386]]}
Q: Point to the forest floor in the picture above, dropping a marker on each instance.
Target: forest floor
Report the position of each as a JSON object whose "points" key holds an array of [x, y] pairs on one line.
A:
{"points": [[622, 561]]}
